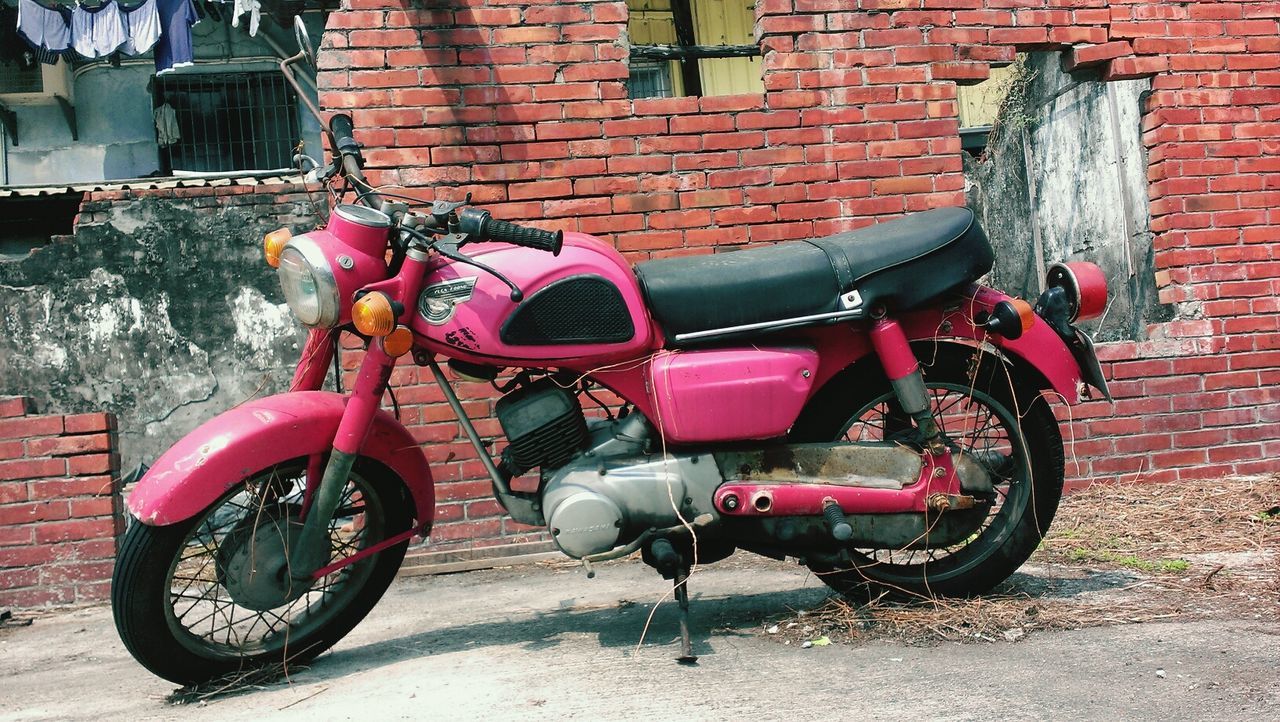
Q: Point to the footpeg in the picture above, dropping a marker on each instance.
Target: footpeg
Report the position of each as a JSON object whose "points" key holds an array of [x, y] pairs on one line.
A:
{"points": [[836, 523]]}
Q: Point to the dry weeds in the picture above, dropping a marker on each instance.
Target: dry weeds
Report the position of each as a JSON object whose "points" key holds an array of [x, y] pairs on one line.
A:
{"points": [[1116, 554]]}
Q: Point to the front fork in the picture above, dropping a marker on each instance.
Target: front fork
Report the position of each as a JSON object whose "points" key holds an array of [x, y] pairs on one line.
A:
{"points": [[311, 551], [312, 548]]}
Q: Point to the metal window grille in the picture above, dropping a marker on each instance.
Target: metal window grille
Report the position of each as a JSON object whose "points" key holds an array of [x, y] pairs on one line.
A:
{"points": [[16, 79], [229, 122], [649, 80]]}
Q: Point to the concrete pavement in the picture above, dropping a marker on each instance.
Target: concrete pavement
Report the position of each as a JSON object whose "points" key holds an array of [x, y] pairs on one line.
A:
{"points": [[544, 642]]}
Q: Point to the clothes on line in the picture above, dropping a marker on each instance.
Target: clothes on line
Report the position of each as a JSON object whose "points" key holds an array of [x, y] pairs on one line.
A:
{"points": [[144, 28], [175, 48], [100, 31], [43, 28], [97, 32], [167, 132], [253, 7]]}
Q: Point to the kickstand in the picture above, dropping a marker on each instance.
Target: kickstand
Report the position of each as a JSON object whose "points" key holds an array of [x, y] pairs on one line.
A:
{"points": [[682, 597]]}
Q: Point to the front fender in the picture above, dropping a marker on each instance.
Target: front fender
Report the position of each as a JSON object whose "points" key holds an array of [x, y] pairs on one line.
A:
{"points": [[232, 446]]}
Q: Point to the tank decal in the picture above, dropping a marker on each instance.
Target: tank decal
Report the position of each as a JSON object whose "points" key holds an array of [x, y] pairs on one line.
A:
{"points": [[439, 301]]}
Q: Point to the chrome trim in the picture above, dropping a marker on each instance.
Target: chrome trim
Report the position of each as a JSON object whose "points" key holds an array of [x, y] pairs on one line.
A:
{"points": [[326, 284], [1074, 288], [772, 325], [363, 216]]}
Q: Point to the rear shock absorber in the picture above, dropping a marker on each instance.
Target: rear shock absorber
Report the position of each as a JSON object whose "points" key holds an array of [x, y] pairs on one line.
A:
{"points": [[903, 370]]}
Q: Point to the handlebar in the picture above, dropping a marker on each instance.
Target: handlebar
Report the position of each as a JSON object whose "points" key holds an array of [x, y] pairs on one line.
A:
{"points": [[343, 133], [480, 226], [343, 130]]}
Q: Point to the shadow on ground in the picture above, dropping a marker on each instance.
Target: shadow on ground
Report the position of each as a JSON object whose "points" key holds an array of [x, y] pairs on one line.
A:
{"points": [[621, 624]]}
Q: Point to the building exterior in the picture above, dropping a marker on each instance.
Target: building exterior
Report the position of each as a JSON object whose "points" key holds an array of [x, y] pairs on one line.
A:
{"points": [[86, 121], [1148, 140]]}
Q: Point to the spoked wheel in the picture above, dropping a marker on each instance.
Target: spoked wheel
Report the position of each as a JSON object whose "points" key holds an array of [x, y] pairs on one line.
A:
{"points": [[212, 595], [1000, 423]]}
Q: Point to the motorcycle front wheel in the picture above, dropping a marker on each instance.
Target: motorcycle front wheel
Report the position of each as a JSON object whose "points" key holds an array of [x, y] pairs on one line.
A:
{"points": [[986, 411], [198, 600]]}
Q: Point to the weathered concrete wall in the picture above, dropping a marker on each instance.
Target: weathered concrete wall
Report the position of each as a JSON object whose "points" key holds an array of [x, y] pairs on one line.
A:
{"points": [[159, 309], [1063, 166]]}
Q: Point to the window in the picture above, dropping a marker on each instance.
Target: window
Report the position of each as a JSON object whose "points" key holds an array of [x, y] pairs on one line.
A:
{"points": [[693, 47], [979, 106], [30, 222], [209, 123]]}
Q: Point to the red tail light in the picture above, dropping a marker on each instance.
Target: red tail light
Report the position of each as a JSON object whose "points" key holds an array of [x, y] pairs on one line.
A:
{"points": [[1085, 286]]}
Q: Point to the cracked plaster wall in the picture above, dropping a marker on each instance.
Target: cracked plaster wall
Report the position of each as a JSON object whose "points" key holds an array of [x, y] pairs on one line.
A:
{"points": [[159, 309], [1089, 175]]}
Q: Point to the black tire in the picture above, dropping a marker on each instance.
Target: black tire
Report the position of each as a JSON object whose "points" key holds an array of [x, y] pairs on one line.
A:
{"points": [[1032, 477], [146, 602]]}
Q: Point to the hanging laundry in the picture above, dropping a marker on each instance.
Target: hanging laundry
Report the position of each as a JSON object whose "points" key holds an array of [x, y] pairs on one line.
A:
{"points": [[254, 8], [166, 125], [44, 28], [142, 24], [97, 32], [174, 49]]}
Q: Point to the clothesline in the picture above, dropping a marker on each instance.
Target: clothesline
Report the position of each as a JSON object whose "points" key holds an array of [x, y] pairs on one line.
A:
{"points": [[110, 27]]}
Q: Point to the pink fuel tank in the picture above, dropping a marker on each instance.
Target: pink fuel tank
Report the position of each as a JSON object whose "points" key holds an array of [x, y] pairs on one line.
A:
{"points": [[583, 305]]}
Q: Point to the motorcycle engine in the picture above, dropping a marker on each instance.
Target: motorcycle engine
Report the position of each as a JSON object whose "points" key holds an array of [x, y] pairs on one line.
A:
{"points": [[601, 487], [613, 492], [544, 424]]}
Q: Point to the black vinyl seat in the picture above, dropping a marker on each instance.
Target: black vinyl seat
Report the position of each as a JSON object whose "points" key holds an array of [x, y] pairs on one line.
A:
{"points": [[900, 264]]}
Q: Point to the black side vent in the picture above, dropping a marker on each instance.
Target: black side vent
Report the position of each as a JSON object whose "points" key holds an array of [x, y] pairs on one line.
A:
{"points": [[577, 309]]}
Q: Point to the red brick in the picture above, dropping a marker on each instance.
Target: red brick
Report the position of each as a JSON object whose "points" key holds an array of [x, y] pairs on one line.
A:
{"points": [[69, 445], [30, 427], [15, 406], [31, 469], [1081, 57], [93, 464]]}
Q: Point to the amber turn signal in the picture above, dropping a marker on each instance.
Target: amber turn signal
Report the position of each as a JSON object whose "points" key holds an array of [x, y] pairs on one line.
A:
{"points": [[1026, 314], [398, 342], [1009, 319], [373, 315], [273, 243]]}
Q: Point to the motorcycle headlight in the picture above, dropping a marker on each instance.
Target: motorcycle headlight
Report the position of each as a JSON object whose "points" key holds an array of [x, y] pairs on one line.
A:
{"points": [[308, 283]]}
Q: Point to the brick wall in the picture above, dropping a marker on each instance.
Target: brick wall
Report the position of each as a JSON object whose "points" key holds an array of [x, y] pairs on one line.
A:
{"points": [[60, 506], [523, 105]]}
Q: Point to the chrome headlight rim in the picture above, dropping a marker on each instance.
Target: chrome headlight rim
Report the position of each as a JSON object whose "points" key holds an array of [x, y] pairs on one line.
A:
{"points": [[322, 273]]}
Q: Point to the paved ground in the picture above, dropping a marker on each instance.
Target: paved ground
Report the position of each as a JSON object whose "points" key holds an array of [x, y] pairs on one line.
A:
{"points": [[546, 643]]}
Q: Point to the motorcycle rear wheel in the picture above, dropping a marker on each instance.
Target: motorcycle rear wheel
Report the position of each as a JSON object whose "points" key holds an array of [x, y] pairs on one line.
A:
{"points": [[987, 411], [172, 591]]}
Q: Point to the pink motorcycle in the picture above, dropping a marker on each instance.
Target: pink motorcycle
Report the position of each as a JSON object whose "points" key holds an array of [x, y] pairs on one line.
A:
{"points": [[856, 402]]}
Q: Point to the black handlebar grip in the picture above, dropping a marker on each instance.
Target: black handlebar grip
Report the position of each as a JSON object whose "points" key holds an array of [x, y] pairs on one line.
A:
{"points": [[481, 226], [343, 130]]}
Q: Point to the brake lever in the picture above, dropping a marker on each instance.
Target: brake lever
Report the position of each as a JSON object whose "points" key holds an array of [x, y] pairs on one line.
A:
{"points": [[443, 211], [447, 246]]}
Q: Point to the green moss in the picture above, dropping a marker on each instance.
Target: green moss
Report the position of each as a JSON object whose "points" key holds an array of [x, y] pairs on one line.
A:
{"points": [[1129, 561]]}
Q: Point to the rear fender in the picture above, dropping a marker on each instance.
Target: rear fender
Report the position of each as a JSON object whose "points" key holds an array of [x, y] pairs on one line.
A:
{"points": [[227, 449], [1038, 348]]}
